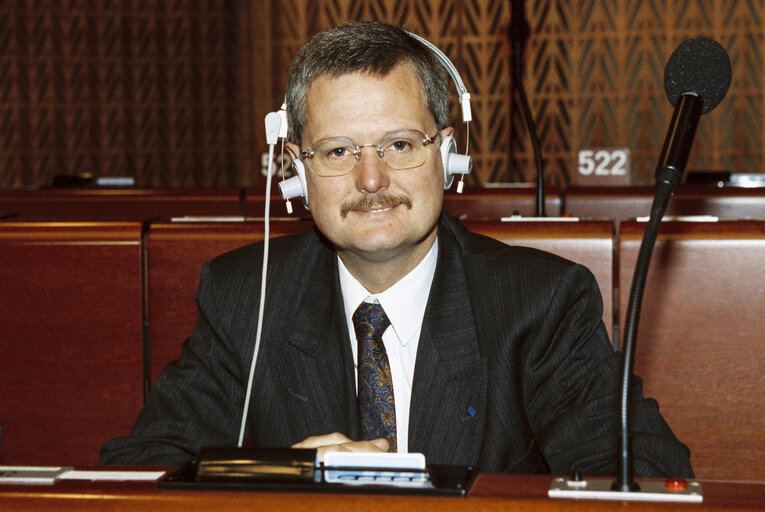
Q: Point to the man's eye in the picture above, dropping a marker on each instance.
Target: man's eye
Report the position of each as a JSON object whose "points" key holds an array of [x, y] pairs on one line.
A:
{"points": [[400, 146], [338, 153]]}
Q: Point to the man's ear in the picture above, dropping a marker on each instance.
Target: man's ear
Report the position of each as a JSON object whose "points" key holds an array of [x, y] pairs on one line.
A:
{"points": [[295, 186], [293, 149], [449, 130]]}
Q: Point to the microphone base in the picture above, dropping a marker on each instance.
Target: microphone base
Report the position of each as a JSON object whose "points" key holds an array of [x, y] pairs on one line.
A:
{"points": [[671, 490]]}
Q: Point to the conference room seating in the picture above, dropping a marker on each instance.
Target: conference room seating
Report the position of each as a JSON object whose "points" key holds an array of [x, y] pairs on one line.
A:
{"points": [[71, 338], [94, 310], [175, 253], [119, 203], [700, 338], [590, 243], [622, 203]]}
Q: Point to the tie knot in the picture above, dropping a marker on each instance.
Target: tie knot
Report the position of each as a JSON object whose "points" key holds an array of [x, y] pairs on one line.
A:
{"points": [[370, 321]]}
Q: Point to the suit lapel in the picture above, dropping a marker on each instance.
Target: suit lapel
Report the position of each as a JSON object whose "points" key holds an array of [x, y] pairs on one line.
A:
{"points": [[317, 356], [448, 406]]}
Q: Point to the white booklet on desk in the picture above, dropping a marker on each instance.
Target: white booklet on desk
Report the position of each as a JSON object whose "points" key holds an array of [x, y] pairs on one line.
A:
{"points": [[40, 475]]}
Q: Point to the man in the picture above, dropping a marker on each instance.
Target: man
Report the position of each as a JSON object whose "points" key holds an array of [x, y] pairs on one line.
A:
{"points": [[498, 356]]}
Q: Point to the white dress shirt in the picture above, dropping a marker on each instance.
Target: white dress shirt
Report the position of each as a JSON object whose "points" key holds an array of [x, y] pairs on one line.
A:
{"points": [[404, 304]]}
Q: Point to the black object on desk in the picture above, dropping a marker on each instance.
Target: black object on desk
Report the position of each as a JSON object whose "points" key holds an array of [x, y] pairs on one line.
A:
{"points": [[293, 470]]}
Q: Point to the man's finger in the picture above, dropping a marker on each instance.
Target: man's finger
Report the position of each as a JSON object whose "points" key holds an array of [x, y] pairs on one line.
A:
{"points": [[324, 440]]}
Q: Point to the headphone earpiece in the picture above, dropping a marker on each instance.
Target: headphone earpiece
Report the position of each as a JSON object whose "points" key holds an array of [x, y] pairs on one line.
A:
{"points": [[453, 162], [295, 186]]}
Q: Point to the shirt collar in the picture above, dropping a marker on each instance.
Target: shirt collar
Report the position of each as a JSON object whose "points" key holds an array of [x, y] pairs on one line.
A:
{"points": [[404, 302]]}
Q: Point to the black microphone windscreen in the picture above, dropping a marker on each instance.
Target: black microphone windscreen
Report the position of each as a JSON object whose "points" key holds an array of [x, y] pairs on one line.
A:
{"points": [[699, 66]]}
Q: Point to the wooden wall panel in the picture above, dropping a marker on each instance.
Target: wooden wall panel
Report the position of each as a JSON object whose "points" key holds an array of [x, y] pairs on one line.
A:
{"points": [[593, 74], [174, 93], [118, 88]]}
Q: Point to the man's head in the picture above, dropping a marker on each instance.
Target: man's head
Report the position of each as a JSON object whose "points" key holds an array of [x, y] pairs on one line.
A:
{"points": [[368, 47], [368, 106]]}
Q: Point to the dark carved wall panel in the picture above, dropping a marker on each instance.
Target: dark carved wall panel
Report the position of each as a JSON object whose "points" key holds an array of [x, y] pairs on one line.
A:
{"points": [[593, 73], [118, 88], [174, 93]]}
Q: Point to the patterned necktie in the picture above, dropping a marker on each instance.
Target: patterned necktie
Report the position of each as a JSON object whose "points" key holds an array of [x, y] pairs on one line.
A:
{"points": [[377, 410]]}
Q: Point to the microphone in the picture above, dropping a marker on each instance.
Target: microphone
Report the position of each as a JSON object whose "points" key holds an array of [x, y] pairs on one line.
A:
{"points": [[696, 79], [519, 29]]}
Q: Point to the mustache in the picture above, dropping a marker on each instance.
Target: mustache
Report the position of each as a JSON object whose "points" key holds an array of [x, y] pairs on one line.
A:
{"points": [[375, 202]]}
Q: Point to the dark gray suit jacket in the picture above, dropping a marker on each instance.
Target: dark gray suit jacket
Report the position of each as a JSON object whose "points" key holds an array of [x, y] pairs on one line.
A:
{"points": [[514, 370]]}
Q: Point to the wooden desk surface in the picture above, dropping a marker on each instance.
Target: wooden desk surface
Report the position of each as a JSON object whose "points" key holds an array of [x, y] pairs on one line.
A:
{"points": [[490, 492]]}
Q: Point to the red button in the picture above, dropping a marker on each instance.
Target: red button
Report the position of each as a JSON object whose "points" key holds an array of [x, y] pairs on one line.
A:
{"points": [[676, 484]]}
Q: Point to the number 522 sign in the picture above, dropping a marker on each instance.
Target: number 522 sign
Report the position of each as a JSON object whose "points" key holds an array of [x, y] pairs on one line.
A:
{"points": [[604, 166]]}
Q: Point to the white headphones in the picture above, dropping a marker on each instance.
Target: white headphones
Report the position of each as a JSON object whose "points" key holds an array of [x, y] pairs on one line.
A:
{"points": [[453, 162]]}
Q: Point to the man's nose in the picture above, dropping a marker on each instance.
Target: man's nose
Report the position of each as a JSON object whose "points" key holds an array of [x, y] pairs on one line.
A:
{"points": [[371, 171]]}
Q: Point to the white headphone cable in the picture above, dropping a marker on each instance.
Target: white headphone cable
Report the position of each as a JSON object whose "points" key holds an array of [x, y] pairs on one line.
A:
{"points": [[273, 122]]}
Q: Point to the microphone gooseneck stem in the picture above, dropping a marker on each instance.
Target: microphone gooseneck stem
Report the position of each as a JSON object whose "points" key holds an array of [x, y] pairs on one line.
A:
{"points": [[531, 127], [519, 32], [669, 171]]}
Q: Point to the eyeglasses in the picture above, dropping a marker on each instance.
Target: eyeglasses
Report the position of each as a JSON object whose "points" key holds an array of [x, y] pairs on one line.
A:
{"points": [[399, 150]]}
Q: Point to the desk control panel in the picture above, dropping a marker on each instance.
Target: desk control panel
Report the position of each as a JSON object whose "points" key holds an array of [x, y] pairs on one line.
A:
{"points": [[394, 469], [676, 490]]}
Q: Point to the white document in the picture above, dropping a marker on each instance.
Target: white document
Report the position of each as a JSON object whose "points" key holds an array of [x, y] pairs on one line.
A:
{"points": [[38, 475]]}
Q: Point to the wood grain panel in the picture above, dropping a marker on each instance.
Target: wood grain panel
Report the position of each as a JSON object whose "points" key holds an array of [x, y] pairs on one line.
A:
{"points": [[120, 204], [593, 74], [620, 203], [700, 338], [491, 204], [174, 93], [71, 349], [490, 493]]}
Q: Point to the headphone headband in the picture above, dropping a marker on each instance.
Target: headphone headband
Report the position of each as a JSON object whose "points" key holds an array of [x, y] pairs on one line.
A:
{"points": [[464, 95]]}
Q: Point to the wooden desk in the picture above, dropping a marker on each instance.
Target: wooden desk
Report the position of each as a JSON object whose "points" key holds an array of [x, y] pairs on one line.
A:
{"points": [[120, 204], [493, 203], [621, 203], [490, 493]]}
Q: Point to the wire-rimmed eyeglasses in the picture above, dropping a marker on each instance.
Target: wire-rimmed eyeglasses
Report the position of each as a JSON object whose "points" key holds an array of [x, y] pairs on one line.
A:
{"points": [[399, 150]]}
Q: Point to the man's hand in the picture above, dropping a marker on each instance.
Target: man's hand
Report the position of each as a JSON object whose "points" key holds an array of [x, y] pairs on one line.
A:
{"points": [[337, 442]]}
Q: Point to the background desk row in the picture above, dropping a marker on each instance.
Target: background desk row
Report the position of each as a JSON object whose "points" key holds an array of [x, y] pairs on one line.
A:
{"points": [[475, 204], [92, 311]]}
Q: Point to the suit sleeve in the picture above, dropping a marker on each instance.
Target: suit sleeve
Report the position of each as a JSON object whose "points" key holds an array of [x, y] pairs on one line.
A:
{"points": [[572, 392], [196, 401]]}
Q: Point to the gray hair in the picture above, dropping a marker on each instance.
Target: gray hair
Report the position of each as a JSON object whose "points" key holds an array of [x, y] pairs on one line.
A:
{"points": [[364, 46]]}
